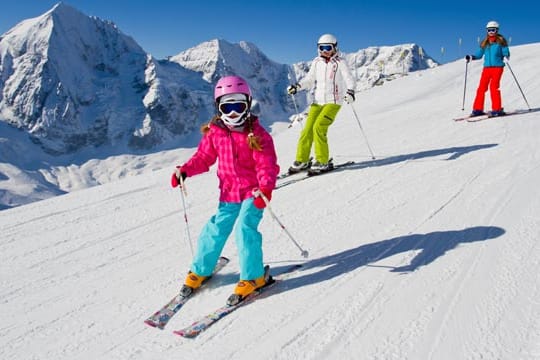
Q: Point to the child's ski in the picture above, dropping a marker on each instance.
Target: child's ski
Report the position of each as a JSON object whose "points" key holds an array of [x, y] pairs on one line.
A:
{"points": [[161, 317], [208, 320]]}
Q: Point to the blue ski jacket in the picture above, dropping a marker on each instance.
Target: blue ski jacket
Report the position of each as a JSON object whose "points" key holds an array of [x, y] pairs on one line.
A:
{"points": [[493, 53]]}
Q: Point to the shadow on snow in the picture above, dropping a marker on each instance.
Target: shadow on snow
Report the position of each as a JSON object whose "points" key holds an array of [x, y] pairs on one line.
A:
{"points": [[430, 246], [454, 152]]}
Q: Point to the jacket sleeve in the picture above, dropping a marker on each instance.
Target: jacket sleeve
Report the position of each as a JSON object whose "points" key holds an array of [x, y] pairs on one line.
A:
{"points": [[266, 161], [346, 74], [309, 80], [478, 54], [203, 159], [506, 51]]}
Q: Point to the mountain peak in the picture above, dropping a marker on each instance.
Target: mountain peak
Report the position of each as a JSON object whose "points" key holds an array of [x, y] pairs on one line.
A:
{"points": [[218, 57], [56, 68], [62, 8]]}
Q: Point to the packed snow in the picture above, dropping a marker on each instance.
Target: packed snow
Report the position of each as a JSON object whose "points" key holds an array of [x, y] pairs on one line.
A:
{"points": [[430, 251]]}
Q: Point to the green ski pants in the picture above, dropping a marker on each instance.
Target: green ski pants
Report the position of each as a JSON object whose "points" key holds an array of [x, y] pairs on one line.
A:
{"points": [[319, 119]]}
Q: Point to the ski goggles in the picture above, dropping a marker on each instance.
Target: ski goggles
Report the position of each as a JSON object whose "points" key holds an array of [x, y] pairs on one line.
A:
{"points": [[492, 30], [326, 47], [238, 107]]}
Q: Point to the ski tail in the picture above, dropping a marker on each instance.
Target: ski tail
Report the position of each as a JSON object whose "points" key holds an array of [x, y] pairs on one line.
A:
{"points": [[470, 117], [331, 168]]}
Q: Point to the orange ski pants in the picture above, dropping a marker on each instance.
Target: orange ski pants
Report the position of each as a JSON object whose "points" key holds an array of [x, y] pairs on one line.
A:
{"points": [[490, 78]]}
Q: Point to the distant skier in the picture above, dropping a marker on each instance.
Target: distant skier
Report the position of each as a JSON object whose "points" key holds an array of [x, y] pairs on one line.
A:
{"points": [[247, 161], [494, 48], [333, 83]]}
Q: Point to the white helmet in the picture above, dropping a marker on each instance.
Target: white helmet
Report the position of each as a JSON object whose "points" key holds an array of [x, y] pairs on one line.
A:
{"points": [[492, 24], [327, 39]]}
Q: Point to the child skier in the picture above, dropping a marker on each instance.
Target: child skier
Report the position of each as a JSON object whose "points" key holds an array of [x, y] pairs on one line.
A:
{"points": [[494, 48], [333, 83], [247, 161]]}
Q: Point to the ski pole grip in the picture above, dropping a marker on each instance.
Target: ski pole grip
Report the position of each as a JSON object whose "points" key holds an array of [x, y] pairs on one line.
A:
{"points": [[258, 192], [183, 186]]}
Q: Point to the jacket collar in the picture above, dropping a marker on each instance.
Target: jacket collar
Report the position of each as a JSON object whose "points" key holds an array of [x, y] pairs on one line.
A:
{"points": [[216, 121]]}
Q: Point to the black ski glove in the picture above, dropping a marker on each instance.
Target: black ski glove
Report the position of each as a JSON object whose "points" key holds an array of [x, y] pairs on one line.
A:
{"points": [[349, 97], [293, 89]]}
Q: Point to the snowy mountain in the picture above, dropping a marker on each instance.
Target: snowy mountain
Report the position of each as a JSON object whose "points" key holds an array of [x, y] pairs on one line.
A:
{"points": [[370, 67], [268, 79], [75, 90], [430, 251], [72, 82], [375, 65]]}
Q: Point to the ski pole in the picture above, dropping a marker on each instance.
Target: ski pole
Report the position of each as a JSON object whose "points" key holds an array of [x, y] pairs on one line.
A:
{"points": [[465, 85], [258, 192], [362, 130], [517, 83], [296, 112], [292, 80], [183, 193]]}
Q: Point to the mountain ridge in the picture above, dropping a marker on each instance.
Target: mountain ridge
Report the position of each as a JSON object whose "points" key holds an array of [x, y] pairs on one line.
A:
{"points": [[80, 89]]}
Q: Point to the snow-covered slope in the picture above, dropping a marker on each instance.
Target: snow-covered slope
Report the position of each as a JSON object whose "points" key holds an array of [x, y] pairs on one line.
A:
{"points": [[429, 252]]}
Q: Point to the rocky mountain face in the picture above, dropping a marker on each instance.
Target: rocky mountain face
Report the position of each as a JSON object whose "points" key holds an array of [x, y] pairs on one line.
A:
{"points": [[72, 81], [74, 88], [267, 79], [374, 65]]}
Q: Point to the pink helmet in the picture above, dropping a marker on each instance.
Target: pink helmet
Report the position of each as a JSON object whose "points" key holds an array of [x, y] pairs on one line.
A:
{"points": [[231, 85]]}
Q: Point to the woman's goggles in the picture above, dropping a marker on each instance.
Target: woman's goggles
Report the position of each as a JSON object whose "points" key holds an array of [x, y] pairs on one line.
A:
{"points": [[492, 30], [326, 47]]}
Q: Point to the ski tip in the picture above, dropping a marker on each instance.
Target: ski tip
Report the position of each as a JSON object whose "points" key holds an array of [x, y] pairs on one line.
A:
{"points": [[153, 324], [184, 334], [149, 323], [224, 258]]}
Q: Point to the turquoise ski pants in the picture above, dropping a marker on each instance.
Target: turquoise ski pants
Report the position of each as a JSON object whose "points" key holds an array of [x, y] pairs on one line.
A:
{"points": [[215, 233], [319, 119]]}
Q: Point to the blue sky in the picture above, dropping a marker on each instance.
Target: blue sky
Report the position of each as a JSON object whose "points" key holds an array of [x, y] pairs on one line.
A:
{"points": [[287, 30]]}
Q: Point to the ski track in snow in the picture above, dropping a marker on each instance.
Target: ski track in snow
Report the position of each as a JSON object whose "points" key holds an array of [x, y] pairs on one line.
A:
{"points": [[373, 298], [376, 304], [391, 348]]}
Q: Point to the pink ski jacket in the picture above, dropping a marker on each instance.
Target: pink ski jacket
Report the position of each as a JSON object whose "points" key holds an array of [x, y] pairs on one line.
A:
{"points": [[240, 169]]}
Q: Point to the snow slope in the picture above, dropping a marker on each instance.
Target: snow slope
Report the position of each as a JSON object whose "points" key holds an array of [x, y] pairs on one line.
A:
{"points": [[428, 252]]}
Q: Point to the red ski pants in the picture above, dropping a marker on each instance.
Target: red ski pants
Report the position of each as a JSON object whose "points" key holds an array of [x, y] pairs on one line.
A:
{"points": [[491, 77]]}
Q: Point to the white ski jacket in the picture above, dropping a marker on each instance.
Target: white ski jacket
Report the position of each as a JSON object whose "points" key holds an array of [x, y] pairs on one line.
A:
{"points": [[331, 79]]}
